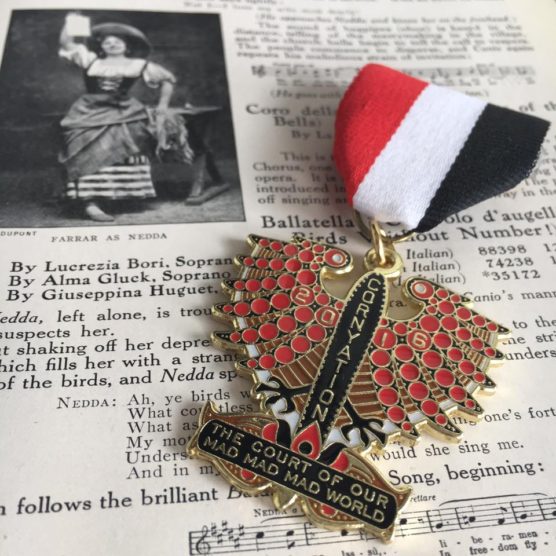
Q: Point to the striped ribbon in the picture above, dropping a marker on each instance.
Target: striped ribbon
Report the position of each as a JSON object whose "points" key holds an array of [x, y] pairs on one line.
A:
{"points": [[415, 153]]}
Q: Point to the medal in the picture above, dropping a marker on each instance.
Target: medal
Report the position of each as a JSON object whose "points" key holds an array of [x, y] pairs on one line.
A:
{"points": [[337, 377]]}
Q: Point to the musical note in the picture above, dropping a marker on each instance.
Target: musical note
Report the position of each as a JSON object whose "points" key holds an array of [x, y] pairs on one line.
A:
{"points": [[502, 520], [466, 516], [258, 537], [548, 508], [290, 543]]}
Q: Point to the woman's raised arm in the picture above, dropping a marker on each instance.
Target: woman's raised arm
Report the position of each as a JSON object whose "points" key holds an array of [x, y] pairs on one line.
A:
{"points": [[66, 41]]}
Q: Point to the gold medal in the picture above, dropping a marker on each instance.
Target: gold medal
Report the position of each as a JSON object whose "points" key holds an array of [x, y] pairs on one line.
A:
{"points": [[339, 377]]}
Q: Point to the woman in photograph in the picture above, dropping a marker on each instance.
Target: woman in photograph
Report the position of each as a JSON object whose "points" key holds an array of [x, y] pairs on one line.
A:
{"points": [[107, 136]]}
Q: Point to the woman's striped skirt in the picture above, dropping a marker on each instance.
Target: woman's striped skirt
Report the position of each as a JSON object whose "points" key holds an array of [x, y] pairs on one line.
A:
{"points": [[131, 179]]}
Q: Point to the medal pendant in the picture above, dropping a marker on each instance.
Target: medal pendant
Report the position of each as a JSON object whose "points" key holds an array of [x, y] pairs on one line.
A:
{"points": [[337, 378]]}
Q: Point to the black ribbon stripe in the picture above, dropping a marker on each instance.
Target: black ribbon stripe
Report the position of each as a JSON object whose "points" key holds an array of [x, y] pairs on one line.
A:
{"points": [[501, 151]]}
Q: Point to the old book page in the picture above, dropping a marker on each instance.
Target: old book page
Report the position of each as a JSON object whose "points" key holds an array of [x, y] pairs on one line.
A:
{"points": [[108, 275]]}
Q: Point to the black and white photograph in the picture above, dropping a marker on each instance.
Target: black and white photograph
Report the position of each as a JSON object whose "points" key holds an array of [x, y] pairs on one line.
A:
{"points": [[115, 117]]}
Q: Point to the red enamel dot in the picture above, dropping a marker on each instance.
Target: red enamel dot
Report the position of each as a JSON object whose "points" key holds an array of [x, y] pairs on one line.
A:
{"points": [[264, 242], [306, 277], [276, 264], [322, 299], [314, 266], [384, 338], [261, 263], [247, 475], [406, 426], [455, 298], [250, 336], [284, 354], [443, 294], [303, 314], [479, 321], [302, 295], [306, 256], [466, 367], [470, 404], [286, 324], [227, 308], [418, 391], [432, 359], [477, 344], [444, 377], [327, 510], [396, 414], [422, 290], [463, 334], [388, 396], [318, 248], [239, 285], [235, 337], [260, 306], [429, 323], [266, 361], [449, 323], [383, 377], [442, 340], [419, 340], [403, 352], [441, 419], [300, 344], [290, 250], [457, 393], [429, 408], [316, 333], [276, 245], [306, 244], [280, 301], [492, 327], [286, 281], [248, 261], [464, 313], [410, 372], [446, 307], [241, 309], [327, 316], [490, 352], [268, 283], [455, 354], [400, 328], [380, 358], [339, 305], [251, 363], [252, 285], [293, 265], [479, 377], [334, 258], [431, 310], [268, 331], [413, 324]]}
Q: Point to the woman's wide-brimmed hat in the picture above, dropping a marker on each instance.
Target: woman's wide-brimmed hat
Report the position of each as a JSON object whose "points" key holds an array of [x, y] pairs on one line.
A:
{"points": [[136, 41]]}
